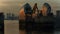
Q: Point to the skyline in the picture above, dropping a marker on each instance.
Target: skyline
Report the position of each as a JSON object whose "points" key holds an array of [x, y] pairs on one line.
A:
{"points": [[14, 6]]}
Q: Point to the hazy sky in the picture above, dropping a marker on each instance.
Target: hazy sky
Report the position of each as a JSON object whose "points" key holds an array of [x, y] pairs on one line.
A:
{"points": [[14, 6]]}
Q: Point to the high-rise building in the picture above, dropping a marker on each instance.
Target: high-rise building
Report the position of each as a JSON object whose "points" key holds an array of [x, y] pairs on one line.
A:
{"points": [[27, 8], [1, 23]]}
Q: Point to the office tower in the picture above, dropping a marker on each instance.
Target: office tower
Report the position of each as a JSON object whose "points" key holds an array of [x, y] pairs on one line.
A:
{"points": [[1, 23]]}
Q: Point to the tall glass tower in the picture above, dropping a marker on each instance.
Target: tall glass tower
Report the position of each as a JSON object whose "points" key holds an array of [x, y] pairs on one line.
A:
{"points": [[1, 23]]}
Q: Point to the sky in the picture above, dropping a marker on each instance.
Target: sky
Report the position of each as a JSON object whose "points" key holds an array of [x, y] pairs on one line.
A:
{"points": [[13, 6]]}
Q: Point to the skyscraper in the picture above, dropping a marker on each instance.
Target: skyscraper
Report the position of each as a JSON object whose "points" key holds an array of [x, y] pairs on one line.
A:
{"points": [[1, 23]]}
